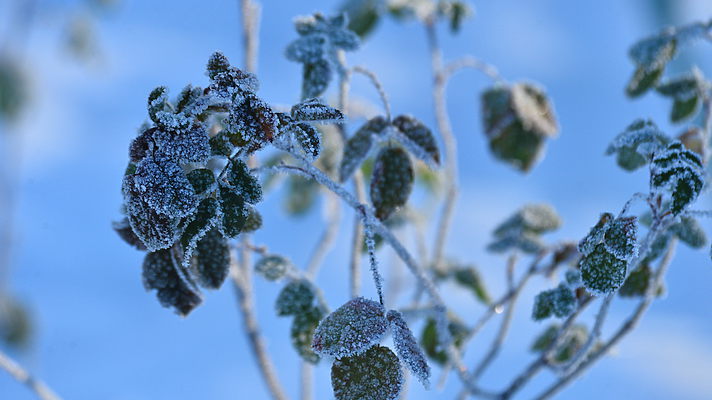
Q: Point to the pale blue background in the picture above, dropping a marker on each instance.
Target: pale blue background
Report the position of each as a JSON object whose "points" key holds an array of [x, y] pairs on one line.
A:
{"points": [[100, 336]]}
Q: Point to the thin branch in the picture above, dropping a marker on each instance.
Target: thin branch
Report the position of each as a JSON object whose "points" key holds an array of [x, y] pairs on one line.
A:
{"points": [[307, 375], [472, 63], [625, 328], [241, 274], [592, 338], [22, 376], [250, 11], [328, 237], [379, 87]]}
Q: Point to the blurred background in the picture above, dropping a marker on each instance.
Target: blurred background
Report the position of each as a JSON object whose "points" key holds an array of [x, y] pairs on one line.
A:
{"points": [[74, 76]]}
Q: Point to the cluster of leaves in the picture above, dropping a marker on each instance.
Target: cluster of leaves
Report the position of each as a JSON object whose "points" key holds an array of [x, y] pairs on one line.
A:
{"points": [[517, 120], [363, 368], [607, 251], [364, 15], [187, 189], [392, 177], [560, 302]]}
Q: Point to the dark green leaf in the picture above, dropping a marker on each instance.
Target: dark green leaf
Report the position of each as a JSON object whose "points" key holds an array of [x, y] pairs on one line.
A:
{"points": [[351, 329], [202, 180], [470, 278], [212, 260], [159, 273], [391, 182], [601, 271], [245, 184], [373, 375], [297, 296], [234, 212]]}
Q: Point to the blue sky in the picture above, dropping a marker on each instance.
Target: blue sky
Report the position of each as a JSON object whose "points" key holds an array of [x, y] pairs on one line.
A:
{"points": [[99, 335]]}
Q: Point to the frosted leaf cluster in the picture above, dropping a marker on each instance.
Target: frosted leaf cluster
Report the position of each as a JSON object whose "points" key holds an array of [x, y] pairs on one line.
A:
{"points": [[407, 348], [359, 146], [522, 230], [636, 145], [560, 302], [392, 181], [273, 267], [373, 375], [517, 120], [314, 110], [607, 250], [351, 329], [298, 126], [679, 172], [316, 49], [301, 300]]}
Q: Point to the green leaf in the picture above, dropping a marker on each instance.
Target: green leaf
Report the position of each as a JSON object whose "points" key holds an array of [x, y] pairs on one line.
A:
{"points": [[159, 273], [532, 218], [601, 271], [302, 332], [212, 263], [375, 374], [253, 221], [351, 329], [679, 172], [392, 181], [690, 232], [637, 282], [684, 109], [560, 302], [419, 139], [572, 342], [407, 348], [234, 212], [15, 323], [642, 81], [205, 218], [241, 179], [202, 180], [636, 146], [470, 278], [430, 341], [316, 79], [363, 15], [297, 296], [273, 267], [302, 194]]}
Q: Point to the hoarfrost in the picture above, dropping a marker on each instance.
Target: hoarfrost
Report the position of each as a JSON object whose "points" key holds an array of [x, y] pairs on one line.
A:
{"points": [[351, 329], [407, 348]]}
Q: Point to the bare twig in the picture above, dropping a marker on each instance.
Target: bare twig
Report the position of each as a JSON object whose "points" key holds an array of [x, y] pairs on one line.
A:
{"points": [[376, 84], [472, 63], [22, 376]]}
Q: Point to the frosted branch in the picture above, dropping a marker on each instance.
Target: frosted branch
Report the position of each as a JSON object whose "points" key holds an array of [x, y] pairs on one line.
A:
{"points": [[21, 375]]}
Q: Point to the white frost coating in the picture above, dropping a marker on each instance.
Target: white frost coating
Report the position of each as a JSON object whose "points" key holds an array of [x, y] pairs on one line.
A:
{"points": [[184, 146], [412, 147], [643, 136], [408, 349], [350, 330], [313, 110], [163, 186], [371, 245]]}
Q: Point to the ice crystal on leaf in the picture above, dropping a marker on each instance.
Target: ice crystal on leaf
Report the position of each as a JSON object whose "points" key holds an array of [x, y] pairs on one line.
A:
{"points": [[607, 251], [160, 274], [163, 186], [313, 110], [308, 138], [636, 146], [225, 77], [351, 329], [212, 260], [407, 348], [273, 267], [234, 212], [560, 302], [621, 237], [359, 145], [205, 218], [241, 179], [679, 171], [316, 48], [156, 231], [392, 181], [373, 375], [517, 120], [601, 271], [189, 145]]}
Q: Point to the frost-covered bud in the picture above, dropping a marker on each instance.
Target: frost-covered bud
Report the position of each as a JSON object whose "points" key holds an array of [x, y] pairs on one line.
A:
{"points": [[273, 267], [375, 374], [407, 348], [351, 329], [159, 273], [392, 181]]}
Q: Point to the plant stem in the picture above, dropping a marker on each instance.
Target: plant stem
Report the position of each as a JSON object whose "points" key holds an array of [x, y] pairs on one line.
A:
{"points": [[22, 376]]}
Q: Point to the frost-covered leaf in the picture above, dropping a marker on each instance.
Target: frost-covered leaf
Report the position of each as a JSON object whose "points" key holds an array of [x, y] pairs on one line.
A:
{"points": [[621, 237], [205, 218], [301, 196], [221, 145], [526, 242], [163, 186], [253, 220], [407, 348], [470, 278], [373, 375], [351, 329], [430, 341], [316, 78], [363, 15], [419, 139], [532, 218], [245, 184], [308, 49], [392, 181], [303, 327], [601, 271], [679, 171], [574, 340], [202, 179], [123, 228], [188, 96], [159, 273], [297, 296], [225, 79], [643, 80], [359, 145], [234, 212], [156, 231], [573, 278], [684, 109], [190, 145], [142, 145], [212, 256], [308, 138], [273, 266], [560, 302], [650, 55], [158, 102], [517, 120], [690, 232], [313, 110], [636, 146], [595, 235], [254, 120]]}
